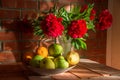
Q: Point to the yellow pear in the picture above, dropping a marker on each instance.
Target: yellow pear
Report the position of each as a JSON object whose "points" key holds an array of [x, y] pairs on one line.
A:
{"points": [[73, 58], [47, 63], [60, 62]]}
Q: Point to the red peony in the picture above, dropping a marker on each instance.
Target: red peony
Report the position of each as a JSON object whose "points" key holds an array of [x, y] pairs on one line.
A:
{"points": [[105, 20], [77, 29], [52, 26], [92, 14]]}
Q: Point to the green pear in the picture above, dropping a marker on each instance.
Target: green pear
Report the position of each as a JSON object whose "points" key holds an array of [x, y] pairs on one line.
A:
{"points": [[55, 50], [35, 61], [60, 62], [47, 63]]}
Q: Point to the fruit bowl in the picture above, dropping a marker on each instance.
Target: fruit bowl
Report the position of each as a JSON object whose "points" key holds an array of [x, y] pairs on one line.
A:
{"points": [[48, 72]]}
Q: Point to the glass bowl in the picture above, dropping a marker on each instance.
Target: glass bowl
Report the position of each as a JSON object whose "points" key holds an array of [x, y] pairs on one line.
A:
{"points": [[46, 72]]}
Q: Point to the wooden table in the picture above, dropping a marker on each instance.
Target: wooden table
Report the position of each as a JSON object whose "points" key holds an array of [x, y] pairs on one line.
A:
{"points": [[85, 70]]}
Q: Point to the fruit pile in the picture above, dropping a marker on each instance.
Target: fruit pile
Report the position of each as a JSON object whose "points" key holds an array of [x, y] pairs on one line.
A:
{"points": [[52, 58]]}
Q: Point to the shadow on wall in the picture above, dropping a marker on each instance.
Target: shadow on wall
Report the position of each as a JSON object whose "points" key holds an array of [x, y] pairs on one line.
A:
{"points": [[17, 38]]}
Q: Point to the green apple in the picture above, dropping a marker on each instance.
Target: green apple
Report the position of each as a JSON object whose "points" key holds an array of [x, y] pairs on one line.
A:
{"points": [[60, 62], [35, 61], [55, 50], [47, 63]]}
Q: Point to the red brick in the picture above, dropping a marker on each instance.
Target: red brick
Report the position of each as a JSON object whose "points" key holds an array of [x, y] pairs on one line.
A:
{"points": [[28, 45], [45, 5], [31, 4], [9, 13], [14, 25], [8, 3], [2, 57], [7, 57], [10, 35], [12, 56], [11, 45], [68, 1], [8, 25], [20, 3], [29, 13], [27, 4], [17, 56], [19, 45], [27, 36]]}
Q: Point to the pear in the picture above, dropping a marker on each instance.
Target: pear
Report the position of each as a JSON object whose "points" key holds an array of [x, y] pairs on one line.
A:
{"points": [[73, 58], [60, 62], [47, 63], [35, 61], [55, 50]]}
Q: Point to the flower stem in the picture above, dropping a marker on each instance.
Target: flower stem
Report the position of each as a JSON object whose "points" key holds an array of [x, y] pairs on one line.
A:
{"points": [[72, 48], [56, 40]]}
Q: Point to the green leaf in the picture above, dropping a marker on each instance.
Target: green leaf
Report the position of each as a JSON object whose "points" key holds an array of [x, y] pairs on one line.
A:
{"points": [[90, 25], [79, 43], [82, 43], [77, 46], [73, 43], [64, 14], [75, 10], [54, 10], [86, 14]]}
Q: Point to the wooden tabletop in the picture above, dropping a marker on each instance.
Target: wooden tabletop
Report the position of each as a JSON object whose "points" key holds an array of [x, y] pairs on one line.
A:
{"points": [[85, 70]]}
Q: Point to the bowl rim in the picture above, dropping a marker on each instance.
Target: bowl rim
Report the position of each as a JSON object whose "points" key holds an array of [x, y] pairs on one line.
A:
{"points": [[44, 72]]}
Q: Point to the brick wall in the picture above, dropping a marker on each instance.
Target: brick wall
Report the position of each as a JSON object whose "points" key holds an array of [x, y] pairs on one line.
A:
{"points": [[14, 43]]}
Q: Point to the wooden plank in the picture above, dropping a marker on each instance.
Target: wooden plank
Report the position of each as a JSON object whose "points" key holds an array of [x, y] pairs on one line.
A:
{"points": [[65, 76], [40, 78], [11, 72], [106, 78], [14, 67], [82, 72], [99, 68], [103, 78], [13, 78]]}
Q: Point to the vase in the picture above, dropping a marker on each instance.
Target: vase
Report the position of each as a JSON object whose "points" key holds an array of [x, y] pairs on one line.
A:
{"points": [[66, 44]]}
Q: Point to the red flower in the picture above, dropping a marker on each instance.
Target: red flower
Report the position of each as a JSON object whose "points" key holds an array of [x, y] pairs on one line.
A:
{"points": [[83, 8], [92, 14], [105, 20], [77, 28], [52, 26]]}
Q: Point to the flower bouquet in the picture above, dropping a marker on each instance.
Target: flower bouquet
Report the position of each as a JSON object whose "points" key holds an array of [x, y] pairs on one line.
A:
{"points": [[66, 31]]}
